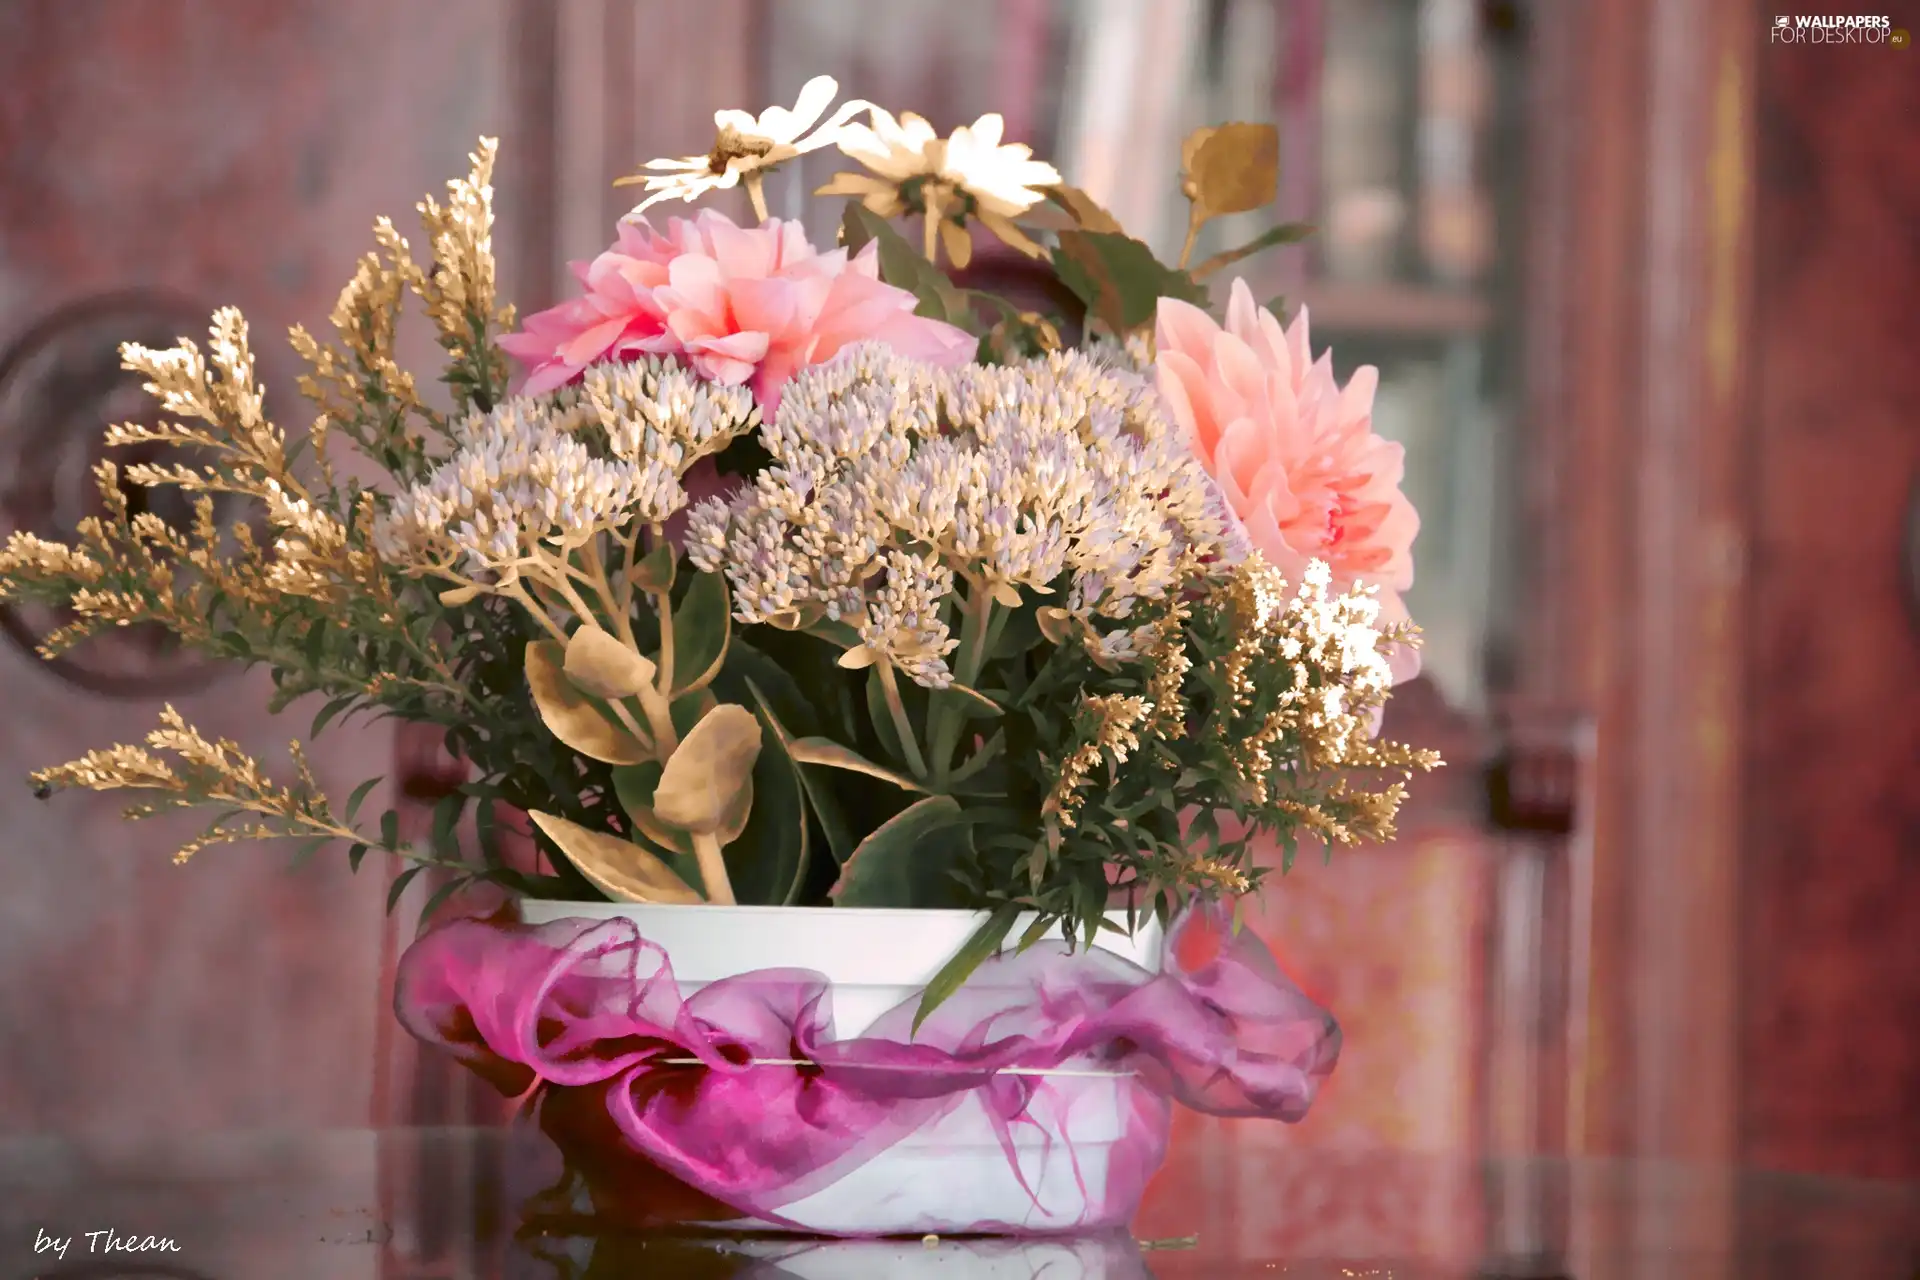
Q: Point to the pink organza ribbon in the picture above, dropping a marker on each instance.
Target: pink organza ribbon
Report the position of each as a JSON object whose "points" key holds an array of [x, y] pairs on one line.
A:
{"points": [[634, 1080]]}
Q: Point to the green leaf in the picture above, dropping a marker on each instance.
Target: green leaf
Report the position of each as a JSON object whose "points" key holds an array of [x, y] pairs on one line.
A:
{"points": [[984, 943], [1285, 233], [856, 227], [830, 754], [751, 675], [1119, 278], [655, 570], [486, 832], [767, 863], [390, 829], [316, 647], [838, 634], [529, 886], [904, 862], [441, 895], [1090, 899], [358, 797], [355, 856], [1086, 211], [633, 787], [977, 775], [701, 628], [821, 800], [1019, 633], [971, 703], [903, 266], [689, 709], [882, 720], [399, 886], [328, 712], [446, 816], [1036, 931]]}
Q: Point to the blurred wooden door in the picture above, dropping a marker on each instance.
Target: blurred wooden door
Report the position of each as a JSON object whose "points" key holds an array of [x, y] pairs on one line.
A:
{"points": [[1831, 868], [1721, 453]]}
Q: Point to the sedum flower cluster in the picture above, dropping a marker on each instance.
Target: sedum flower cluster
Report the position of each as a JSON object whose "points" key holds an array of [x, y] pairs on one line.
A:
{"points": [[892, 480], [540, 476]]}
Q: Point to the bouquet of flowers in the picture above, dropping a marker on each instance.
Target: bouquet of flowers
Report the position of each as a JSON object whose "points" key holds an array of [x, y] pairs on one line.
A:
{"points": [[780, 575]]}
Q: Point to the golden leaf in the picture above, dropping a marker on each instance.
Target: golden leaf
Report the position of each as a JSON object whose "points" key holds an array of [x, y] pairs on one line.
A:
{"points": [[1055, 623], [569, 716], [1189, 153], [598, 664], [659, 832], [732, 823], [618, 868], [454, 597], [830, 754], [704, 778], [857, 658], [1232, 168], [734, 820]]}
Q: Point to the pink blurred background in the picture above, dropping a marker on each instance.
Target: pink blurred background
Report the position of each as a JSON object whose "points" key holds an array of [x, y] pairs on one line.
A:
{"points": [[1640, 285]]}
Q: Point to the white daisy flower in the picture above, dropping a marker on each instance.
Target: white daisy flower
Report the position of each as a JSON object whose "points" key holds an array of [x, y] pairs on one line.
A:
{"points": [[745, 146], [911, 169]]}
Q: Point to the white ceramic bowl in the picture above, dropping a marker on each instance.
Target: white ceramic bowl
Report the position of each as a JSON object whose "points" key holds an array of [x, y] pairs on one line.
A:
{"points": [[951, 1174]]}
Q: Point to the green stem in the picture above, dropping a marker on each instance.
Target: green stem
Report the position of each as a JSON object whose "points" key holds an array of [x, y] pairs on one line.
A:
{"points": [[974, 629], [901, 726], [930, 235], [943, 734], [994, 628]]}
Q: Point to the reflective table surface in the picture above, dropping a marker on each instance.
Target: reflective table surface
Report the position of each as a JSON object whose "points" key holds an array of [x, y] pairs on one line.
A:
{"points": [[444, 1204]]}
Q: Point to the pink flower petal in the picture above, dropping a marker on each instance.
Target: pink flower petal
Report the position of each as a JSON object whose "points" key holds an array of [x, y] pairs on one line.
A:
{"points": [[1181, 326], [741, 253], [767, 306], [591, 344], [1293, 451], [741, 304]]}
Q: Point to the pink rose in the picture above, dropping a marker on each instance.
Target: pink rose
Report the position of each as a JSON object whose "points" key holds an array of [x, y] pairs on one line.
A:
{"points": [[737, 304], [1294, 452]]}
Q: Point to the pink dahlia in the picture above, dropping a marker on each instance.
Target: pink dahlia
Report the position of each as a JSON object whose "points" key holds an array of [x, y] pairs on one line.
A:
{"points": [[737, 304], [1293, 451]]}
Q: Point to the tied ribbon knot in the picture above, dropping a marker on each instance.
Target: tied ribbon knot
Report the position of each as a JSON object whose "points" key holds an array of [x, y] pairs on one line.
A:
{"points": [[738, 1100]]}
